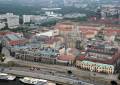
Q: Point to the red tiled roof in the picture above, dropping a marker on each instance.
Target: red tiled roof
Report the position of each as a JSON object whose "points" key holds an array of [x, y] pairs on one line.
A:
{"points": [[86, 30], [4, 33], [112, 30], [68, 27], [108, 61], [17, 42], [66, 58], [51, 40], [89, 33], [81, 58]]}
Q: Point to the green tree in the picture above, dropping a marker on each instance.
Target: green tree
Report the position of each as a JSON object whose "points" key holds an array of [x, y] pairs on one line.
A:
{"points": [[69, 72], [49, 23], [79, 45], [11, 64], [114, 83], [0, 47], [2, 58], [119, 76]]}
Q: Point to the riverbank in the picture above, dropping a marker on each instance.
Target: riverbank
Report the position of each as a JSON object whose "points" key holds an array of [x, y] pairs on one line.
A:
{"points": [[56, 79], [85, 76], [17, 82]]}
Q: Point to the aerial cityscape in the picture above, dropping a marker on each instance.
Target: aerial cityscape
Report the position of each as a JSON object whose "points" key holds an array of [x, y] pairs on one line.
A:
{"points": [[59, 42]]}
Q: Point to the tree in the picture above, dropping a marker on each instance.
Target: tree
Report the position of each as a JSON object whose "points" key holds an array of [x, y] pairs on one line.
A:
{"points": [[119, 76], [2, 58], [11, 64], [69, 72], [49, 23], [79, 45], [114, 83], [0, 47]]}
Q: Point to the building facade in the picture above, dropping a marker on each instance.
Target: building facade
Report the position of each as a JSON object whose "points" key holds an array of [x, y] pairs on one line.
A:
{"points": [[26, 18], [12, 39], [111, 12], [100, 59], [2, 25], [97, 67], [44, 55], [11, 21]]}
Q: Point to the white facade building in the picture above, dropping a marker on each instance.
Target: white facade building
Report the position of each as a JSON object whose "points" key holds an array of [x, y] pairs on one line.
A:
{"points": [[109, 10], [4, 16], [52, 14], [38, 18], [2, 25], [13, 21], [26, 18], [49, 33]]}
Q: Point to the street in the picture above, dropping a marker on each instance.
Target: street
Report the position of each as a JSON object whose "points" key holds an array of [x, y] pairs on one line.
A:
{"points": [[57, 77], [59, 70]]}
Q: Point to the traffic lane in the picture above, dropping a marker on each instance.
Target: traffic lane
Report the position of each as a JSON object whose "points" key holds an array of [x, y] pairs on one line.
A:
{"points": [[26, 69], [46, 76], [43, 71]]}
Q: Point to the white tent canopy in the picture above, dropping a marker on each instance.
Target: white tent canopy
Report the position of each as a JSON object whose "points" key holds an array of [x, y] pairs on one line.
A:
{"points": [[48, 33]]}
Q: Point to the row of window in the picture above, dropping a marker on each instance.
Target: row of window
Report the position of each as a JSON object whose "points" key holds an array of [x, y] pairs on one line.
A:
{"points": [[109, 70], [101, 51]]}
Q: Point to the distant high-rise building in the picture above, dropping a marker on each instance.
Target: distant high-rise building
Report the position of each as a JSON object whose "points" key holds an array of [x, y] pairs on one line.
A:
{"points": [[13, 21], [98, 13], [9, 19], [74, 36], [71, 3], [26, 18], [2, 25], [110, 11]]}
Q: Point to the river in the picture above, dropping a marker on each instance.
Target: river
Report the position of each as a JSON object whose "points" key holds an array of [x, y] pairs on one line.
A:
{"points": [[15, 82]]}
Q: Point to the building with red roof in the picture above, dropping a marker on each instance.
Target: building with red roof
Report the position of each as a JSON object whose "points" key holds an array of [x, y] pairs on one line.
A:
{"points": [[110, 34], [101, 56], [66, 59], [12, 39], [88, 31]]}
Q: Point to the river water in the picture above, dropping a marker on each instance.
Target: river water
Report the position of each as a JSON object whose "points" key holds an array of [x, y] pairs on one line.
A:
{"points": [[15, 82]]}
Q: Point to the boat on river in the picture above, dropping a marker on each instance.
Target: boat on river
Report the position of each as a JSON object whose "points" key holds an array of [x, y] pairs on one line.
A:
{"points": [[33, 81], [7, 77]]}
